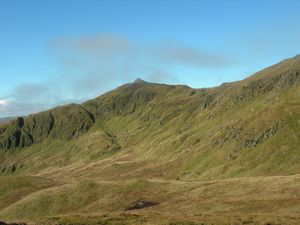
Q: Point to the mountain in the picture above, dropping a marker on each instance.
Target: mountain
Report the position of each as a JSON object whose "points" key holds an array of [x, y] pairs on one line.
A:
{"points": [[148, 153], [5, 119]]}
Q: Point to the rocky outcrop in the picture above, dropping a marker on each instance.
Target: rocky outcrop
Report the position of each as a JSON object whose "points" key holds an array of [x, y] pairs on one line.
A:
{"points": [[259, 87], [63, 123], [10, 169], [232, 133], [70, 121], [10, 134], [260, 138], [123, 101], [140, 204]]}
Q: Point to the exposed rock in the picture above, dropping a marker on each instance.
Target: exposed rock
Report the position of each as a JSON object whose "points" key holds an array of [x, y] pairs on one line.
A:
{"points": [[140, 204], [70, 121], [123, 101], [270, 132], [38, 127], [231, 133], [259, 87], [13, 168], [63, 123], [10, 134], [208, 101]]}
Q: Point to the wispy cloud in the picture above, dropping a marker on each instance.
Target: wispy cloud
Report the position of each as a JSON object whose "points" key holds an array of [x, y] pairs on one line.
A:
{"points": [[160, 76], [14, 108], [28, 98], [177, 53], [92, 65], [98, 47]]}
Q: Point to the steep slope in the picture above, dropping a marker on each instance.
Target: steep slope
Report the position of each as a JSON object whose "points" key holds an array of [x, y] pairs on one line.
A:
{"points": [[62, 122], [143, 137]]}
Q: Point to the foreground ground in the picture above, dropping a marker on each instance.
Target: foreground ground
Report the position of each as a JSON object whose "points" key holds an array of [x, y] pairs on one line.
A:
{"points": [[59, 199]]}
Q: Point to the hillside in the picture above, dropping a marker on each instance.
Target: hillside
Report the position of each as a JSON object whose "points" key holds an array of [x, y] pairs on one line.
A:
{"points": [[228, 154], [5, 119]]}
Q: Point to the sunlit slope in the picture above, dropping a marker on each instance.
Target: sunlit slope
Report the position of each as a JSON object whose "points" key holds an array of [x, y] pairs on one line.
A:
{"points": [[261, 200]]}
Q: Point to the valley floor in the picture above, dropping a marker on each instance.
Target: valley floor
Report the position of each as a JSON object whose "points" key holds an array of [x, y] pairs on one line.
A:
{"points": [[249, 200]]}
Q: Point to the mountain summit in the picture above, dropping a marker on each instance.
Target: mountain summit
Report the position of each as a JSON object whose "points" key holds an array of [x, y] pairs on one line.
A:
{"points": [[154, 147], [139, 80]]}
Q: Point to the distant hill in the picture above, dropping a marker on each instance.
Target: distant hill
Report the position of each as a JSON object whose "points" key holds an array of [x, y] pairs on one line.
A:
{"points": [[214, 154], [5, 119]]}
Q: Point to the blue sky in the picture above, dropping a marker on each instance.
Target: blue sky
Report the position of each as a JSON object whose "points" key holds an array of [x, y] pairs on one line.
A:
{"points": [[59, 51]]}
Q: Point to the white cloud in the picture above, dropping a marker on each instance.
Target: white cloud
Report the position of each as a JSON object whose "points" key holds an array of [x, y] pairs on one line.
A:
{"points": [[3, 102]]}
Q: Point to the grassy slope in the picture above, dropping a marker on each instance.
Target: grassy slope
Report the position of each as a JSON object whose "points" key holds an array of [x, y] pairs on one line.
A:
{"points": [[169, 144], [4, 120]]}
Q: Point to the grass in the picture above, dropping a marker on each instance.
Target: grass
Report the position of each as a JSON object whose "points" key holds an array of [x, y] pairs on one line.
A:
{"points": [[232, 201]]}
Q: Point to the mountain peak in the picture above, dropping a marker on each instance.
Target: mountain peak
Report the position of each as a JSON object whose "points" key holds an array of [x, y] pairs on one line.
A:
{"points": [[139, 80]]}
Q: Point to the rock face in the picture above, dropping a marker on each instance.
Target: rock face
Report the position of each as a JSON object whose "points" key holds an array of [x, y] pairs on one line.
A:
{"points": [[259, 87], [64, 123], [10, 135], [270, 132]]}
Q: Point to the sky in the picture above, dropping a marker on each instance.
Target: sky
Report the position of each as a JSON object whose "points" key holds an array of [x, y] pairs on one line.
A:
{"points": [[54, 52]]}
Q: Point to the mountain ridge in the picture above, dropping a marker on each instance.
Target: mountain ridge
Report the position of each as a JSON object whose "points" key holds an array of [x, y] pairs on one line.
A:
{"points": [[223, 155], [140, 90]]}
